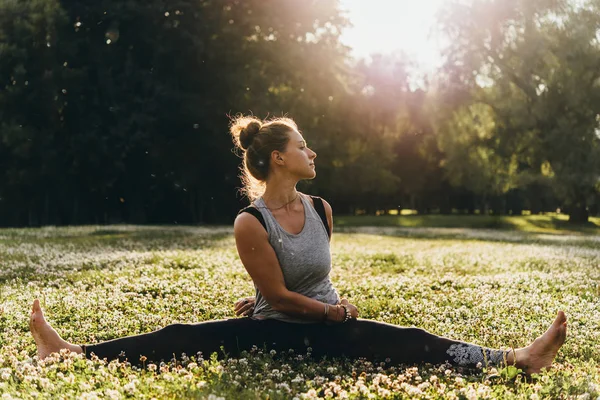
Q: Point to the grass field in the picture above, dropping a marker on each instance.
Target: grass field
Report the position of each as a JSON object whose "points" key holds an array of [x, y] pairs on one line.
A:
{"points": [[549, 223], [498, 288]]}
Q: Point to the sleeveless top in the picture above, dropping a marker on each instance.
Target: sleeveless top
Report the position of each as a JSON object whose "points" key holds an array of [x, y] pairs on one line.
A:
{"points": [[305, 261]]}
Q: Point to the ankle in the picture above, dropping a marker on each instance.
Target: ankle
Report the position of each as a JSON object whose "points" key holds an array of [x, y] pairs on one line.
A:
{"points": [[518, 357]]}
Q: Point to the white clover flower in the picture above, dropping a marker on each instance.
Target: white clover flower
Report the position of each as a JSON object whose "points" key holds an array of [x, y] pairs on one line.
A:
{"points": [[90, 396], [192, 365], [112, 394], [5, 374], [284, 386], [130, 388]]}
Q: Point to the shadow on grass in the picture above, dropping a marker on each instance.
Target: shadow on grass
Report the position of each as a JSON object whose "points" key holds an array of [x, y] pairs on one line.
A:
{"points": [[481, 235], [144, 237], [23, 251], [550, 224]]}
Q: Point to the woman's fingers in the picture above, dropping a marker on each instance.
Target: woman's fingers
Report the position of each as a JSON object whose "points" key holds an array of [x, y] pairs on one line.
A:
{"points": [[244, 309], [238, 304], [240, 309], [243, 302]]}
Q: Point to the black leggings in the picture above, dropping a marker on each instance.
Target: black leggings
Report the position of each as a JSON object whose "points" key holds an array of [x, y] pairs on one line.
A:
{"points": [[375, 341]]}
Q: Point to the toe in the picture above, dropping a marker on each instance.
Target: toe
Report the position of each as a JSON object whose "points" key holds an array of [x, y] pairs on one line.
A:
{"points": [[560, 320]]}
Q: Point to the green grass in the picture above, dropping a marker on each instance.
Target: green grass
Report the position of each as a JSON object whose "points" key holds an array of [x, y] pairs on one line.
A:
{"points": [[497, 288], [553, 223]]}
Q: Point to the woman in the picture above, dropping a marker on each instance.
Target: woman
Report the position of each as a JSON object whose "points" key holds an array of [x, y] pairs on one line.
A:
{"points": [[283, 242]]}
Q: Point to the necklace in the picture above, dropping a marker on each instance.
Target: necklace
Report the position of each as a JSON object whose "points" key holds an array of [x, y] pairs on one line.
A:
{"points": [[279, 208]]}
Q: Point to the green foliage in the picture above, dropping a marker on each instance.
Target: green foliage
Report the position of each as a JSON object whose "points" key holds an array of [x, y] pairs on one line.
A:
{"points": [[535, 64], [130, 101], [470, 161], [117, 111]]}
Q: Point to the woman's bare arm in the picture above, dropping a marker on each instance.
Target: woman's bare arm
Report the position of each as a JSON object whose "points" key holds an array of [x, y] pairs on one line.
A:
{"points": [[261, 262]]}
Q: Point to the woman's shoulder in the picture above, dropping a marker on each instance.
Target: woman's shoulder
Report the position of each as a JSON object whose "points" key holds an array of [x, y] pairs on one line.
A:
{"points": [[326, 205], [249, 221]]}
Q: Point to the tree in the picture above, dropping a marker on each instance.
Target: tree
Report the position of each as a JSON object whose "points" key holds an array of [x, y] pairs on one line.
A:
{"points": [[471, 159], [125, 116], [30, 107], [543, 59]]}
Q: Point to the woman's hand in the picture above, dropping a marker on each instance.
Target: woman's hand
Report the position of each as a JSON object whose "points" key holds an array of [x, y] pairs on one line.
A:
{"points": [[245, 306], [352, 308]]}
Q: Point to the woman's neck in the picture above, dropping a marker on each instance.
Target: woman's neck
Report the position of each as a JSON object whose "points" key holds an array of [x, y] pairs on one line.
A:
{"points": [[279, 194]]}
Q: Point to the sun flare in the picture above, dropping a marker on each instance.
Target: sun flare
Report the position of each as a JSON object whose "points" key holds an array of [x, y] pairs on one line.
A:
{"points": [[385, 26]]}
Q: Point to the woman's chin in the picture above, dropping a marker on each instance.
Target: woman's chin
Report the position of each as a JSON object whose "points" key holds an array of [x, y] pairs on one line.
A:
{"points": [[307, 174], [310, 176]]}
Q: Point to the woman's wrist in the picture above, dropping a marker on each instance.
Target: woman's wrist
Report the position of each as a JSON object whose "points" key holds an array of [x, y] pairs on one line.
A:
{"points": [[336, 313], [326, 312]]}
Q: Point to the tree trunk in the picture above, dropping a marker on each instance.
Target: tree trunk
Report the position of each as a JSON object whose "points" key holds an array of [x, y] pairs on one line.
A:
{"points": [[446, 207], [486, 206], [45, 220], [578, 214], [30, 217], [75, 211], [192, 203]]}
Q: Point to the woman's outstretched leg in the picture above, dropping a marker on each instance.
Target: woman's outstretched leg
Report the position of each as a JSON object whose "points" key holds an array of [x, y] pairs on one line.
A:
{"points": [[377, 340], [46, 338], [531, 359], [231, 335]]}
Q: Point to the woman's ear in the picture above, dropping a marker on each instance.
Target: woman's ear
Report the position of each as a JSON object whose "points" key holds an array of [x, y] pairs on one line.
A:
{"points": [[276, 157]]}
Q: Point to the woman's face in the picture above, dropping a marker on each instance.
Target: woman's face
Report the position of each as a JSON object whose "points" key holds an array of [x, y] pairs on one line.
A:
{"points": [[298, 158]]}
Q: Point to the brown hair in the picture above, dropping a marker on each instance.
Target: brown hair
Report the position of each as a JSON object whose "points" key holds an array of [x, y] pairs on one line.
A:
{"points": [[258, 139]]}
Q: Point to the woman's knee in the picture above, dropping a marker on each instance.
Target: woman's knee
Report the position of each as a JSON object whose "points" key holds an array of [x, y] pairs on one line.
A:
{"points": [[174, 330]]}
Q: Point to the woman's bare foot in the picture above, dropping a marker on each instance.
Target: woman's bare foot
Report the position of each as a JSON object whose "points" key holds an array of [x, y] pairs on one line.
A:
{"points": [[540, 354], [46, 338]]}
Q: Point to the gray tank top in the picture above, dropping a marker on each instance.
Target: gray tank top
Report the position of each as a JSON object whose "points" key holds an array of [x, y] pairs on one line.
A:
{"points": [[305, 261]]}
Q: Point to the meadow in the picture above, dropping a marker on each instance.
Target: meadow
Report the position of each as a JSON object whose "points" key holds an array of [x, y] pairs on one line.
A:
{"points": [[497, 288]]}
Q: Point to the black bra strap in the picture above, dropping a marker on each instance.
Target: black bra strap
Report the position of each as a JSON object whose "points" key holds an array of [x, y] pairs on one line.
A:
{"points": [[254, 211], [320, 208], [318, 204]]}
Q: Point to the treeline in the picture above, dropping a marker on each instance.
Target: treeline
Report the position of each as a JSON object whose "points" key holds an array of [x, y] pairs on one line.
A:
{"points": [[117, 111]]}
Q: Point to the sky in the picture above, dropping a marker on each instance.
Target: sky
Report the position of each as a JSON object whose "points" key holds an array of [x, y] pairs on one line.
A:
{"points": [[389, 25]]}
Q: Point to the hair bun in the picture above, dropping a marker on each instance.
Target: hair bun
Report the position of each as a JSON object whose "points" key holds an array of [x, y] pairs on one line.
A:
{"points": [[248, 134]]}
